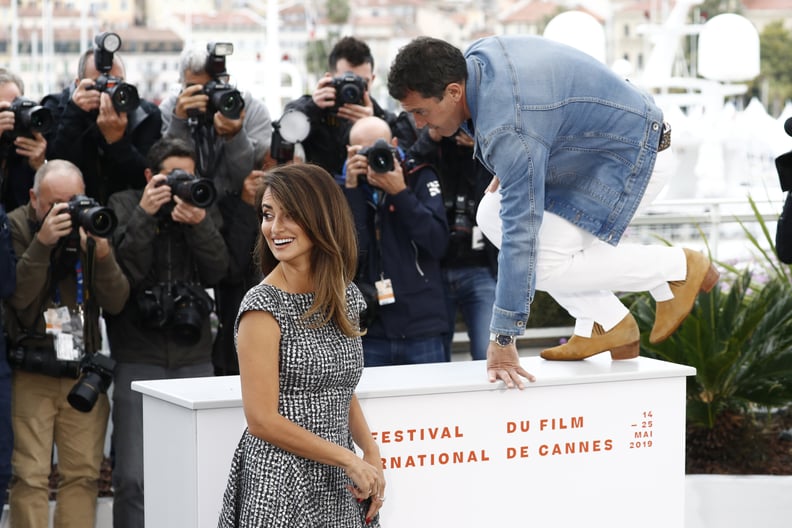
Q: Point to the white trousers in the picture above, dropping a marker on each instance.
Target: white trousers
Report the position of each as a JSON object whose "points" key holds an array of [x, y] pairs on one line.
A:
{"points": [[581, 272]]}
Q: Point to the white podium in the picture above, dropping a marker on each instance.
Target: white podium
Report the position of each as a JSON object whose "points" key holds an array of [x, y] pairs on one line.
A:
{"points": [[591, 443]]}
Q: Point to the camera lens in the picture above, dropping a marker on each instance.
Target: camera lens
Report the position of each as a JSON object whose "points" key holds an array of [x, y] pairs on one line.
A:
{"points": [[99, 221], [202, 193], [186, 324], [350, 93], [229, 103], [96, 379], [40, 120], [102, 223], [86, 391], [381, 163], [125, 97]]}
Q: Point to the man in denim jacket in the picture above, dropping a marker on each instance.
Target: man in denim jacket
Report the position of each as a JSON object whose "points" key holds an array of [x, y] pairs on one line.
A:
{"points": [[573, 148]]}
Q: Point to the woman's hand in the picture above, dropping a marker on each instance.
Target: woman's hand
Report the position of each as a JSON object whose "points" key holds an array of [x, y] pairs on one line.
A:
{"points": [[369, 481]]}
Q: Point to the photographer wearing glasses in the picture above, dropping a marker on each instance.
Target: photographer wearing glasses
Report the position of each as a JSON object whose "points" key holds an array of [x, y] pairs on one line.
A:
{"points": [[101, 124], [403, 234], [170, 247], [66, 272], [23, 149]]}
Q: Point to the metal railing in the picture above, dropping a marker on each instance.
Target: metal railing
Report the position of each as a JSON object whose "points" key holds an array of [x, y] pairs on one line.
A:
{"points": [[718, 220]]}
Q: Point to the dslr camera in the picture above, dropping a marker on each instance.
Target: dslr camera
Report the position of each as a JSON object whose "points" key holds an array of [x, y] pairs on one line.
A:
{"points": [[223, 97], [379, 156], [41, 360], [29, 117], [349, 88], [90, 215], [199, 192], [180, 307], [96, 377], [123, 95]]}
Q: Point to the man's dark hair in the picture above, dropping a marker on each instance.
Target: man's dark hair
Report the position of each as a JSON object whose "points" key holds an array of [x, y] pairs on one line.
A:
{"points": [[356, 52], [167, 147], [426, 66]]}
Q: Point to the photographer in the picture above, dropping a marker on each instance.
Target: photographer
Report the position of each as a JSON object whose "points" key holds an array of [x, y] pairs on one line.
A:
{"points": [[231, 133], [470, 265], [58, 285], [228, 137], [340, 99], [108, 144], [22, 149], [403, 234], [170, 249]]}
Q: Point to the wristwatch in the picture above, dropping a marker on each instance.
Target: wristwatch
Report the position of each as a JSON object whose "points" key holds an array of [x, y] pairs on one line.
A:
{"points": [[502, 340]]}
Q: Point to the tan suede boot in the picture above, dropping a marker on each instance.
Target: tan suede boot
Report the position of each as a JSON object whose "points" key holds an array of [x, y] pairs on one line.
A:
{"points": [[623, 341], [701, 276]]}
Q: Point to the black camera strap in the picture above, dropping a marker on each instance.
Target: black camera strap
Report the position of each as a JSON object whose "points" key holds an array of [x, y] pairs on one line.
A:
{"points": [[204, 139], [91, 335]]}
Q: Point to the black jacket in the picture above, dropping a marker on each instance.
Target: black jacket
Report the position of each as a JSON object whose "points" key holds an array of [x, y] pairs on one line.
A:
{"points": [[414, 236], [460, 175], [153, 250], [16, 178], [106, 168], [329, 136], [784, 232]]}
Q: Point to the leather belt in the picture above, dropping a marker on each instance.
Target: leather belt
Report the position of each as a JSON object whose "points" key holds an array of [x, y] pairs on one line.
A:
{"points": [[665, 137]]}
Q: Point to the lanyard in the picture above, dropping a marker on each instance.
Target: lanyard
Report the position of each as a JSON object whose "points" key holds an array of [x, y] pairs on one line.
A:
{"points": [[80, 286]]}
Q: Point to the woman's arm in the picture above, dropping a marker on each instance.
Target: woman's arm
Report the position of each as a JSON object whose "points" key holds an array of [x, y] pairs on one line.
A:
{"points": [[361, 434], [258, 341]]}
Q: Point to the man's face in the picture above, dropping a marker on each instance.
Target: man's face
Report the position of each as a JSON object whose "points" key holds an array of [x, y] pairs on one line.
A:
{"points": [[363, 71], [191, 78], [57, 187], [9, 91], [92, 73], [443, 115]]}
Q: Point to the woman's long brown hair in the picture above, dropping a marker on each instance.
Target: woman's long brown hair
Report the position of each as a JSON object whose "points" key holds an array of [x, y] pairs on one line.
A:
{"points": [[316, 203]]}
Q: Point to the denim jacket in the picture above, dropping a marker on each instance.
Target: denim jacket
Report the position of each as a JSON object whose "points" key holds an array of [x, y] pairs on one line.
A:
{"points": [[563, 134]]}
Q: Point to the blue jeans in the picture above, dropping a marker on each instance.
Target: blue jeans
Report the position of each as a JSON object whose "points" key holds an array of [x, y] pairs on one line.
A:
{"points": [[128, 435], [381, 352], [471, 290]]}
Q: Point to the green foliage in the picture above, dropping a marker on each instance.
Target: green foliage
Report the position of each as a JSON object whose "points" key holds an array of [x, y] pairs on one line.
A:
{"points": [[545, 312], [337, 11], [316, 57], [775, 45], [738, 337]]}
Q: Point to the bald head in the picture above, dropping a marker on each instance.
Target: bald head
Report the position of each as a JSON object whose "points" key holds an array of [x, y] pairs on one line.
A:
{"points": [[368, 130], [55, 182]]}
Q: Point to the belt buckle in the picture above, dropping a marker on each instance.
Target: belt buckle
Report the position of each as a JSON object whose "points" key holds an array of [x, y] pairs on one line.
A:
{"points": [[665, 137]]}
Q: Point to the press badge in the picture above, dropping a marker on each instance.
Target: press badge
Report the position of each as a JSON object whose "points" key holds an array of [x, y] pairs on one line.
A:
{"points": [[477, 239], [58, 320], [385, 292], [67, 329]]}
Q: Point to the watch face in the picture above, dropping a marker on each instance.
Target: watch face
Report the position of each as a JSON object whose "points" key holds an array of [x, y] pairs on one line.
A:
{"points": [[504, 340]]}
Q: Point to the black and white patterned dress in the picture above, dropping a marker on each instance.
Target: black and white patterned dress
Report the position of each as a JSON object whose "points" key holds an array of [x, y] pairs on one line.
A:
{"points": [[319, 370]]}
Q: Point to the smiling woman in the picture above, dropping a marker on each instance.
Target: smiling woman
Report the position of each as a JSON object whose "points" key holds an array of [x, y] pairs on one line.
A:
{"points": [[300, 359]]}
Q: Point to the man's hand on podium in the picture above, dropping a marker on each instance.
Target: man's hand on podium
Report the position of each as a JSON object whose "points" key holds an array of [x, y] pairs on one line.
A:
{"points": [[503, 363]]}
